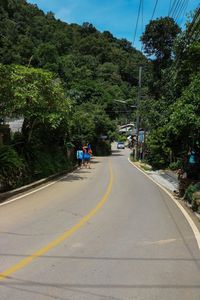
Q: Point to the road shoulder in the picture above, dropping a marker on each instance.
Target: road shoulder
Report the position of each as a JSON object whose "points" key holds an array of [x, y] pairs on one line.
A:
{"points": [[191, 218]]}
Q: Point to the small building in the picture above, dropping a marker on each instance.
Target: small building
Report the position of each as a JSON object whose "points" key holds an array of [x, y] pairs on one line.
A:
{"points": [[127, 129]]}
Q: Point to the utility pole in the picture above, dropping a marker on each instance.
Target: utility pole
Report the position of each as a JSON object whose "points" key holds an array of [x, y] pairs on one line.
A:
{"points": [[137, 112]]}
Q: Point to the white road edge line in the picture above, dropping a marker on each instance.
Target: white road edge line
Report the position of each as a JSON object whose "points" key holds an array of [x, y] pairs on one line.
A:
{"points": [[32, 192], [184, 212]]}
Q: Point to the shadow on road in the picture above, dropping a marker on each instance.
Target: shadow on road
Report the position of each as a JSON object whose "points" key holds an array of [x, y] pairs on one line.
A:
{"points": [[80, 288], [95, 161], [97, 290], [75, 176], [116, 153]]}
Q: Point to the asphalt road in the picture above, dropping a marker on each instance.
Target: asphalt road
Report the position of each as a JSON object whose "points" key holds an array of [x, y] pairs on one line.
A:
{"points": [[102, 233]]}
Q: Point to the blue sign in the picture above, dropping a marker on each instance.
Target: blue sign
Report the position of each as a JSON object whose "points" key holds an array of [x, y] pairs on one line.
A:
{"points": [[141, 137]]}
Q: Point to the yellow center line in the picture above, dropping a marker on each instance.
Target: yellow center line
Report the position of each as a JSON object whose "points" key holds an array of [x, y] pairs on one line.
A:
{"points": [[27, 260]]}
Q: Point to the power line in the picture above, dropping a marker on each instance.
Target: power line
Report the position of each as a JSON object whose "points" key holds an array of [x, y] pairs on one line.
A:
{"points": [[178, 9], [142, 22], [192, 32], [154, 10], [142, 15], [174, 11], [194, 27], [184, 11], [170, 4], [181, 9], [139, 9], [172, 7], [194, 22]]}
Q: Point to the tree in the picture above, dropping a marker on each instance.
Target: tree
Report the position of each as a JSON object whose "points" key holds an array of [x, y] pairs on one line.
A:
{"points": [[6, 92], [184, 121], [34, 94], [187, 55], [159, 37], [89, 123], [158, 40]]}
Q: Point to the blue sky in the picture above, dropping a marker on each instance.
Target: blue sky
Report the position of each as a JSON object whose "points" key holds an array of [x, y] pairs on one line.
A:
{"points": [[117, 16]]}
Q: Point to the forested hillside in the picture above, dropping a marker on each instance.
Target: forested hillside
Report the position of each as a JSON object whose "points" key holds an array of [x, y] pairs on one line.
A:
{"points": [[94, 66], [174, 91], [63, 80]]}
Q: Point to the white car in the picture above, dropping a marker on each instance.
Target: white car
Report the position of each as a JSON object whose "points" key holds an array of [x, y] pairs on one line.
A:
{"points": [[120, 145]]}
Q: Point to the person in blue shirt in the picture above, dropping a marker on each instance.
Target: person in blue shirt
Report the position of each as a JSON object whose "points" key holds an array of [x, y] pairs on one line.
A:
{"points": [[192, 164], [79, 156]]}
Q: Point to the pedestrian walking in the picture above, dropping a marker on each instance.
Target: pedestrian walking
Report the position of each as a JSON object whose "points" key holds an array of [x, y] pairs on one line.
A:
{"points": [[192, 164], [87, 152], [79, 156]]}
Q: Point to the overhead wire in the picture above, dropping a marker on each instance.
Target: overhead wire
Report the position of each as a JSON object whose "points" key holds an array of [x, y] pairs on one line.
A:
{"points": [[180, 10], [194, 27], [142, 21], [172, 7], [154, 10], [194, 21], [193, 31], [176, 8], [142, 13], [138, 15], [184, 11], [170, 4]]}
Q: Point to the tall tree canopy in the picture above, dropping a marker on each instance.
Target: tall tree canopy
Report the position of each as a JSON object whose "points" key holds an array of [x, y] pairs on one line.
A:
{"points": [[174, 93], [159, 37]]}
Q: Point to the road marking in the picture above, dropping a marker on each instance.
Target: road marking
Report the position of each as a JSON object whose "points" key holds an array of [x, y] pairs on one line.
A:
{"points": [[161, 242], [184, 212], [35, 191], [27, 260]]}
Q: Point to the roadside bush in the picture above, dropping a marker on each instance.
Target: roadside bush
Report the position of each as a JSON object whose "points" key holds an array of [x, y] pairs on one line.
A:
{"points": [[190, 195], [50, 162], [176, 165], [122, 138], [132, 156], [158, 153], [103, 148], [12, 168]]}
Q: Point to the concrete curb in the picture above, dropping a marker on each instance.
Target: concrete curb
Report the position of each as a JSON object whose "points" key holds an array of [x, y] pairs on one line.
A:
{"points": [[4, 196], [171, 174]]}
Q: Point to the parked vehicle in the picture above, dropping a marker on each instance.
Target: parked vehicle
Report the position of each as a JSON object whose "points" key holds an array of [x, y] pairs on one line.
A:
{"points": [[120, 145]]}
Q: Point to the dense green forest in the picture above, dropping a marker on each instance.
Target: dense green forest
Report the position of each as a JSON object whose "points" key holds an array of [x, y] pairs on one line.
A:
{"points": [[174, 92], [63, 79]]}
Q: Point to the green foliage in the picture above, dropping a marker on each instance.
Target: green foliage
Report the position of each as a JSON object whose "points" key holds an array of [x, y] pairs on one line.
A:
{"points": [[5, 90], [189, 194], [159, 37], [63, 80], [103, 148], [176, 165], [89, 123], [94, 66], [35, 94], [158, 152], [121, 138], [173, 108], [184, 121], [11, 167], [158, 40], [187, 49], [50, 162]]}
